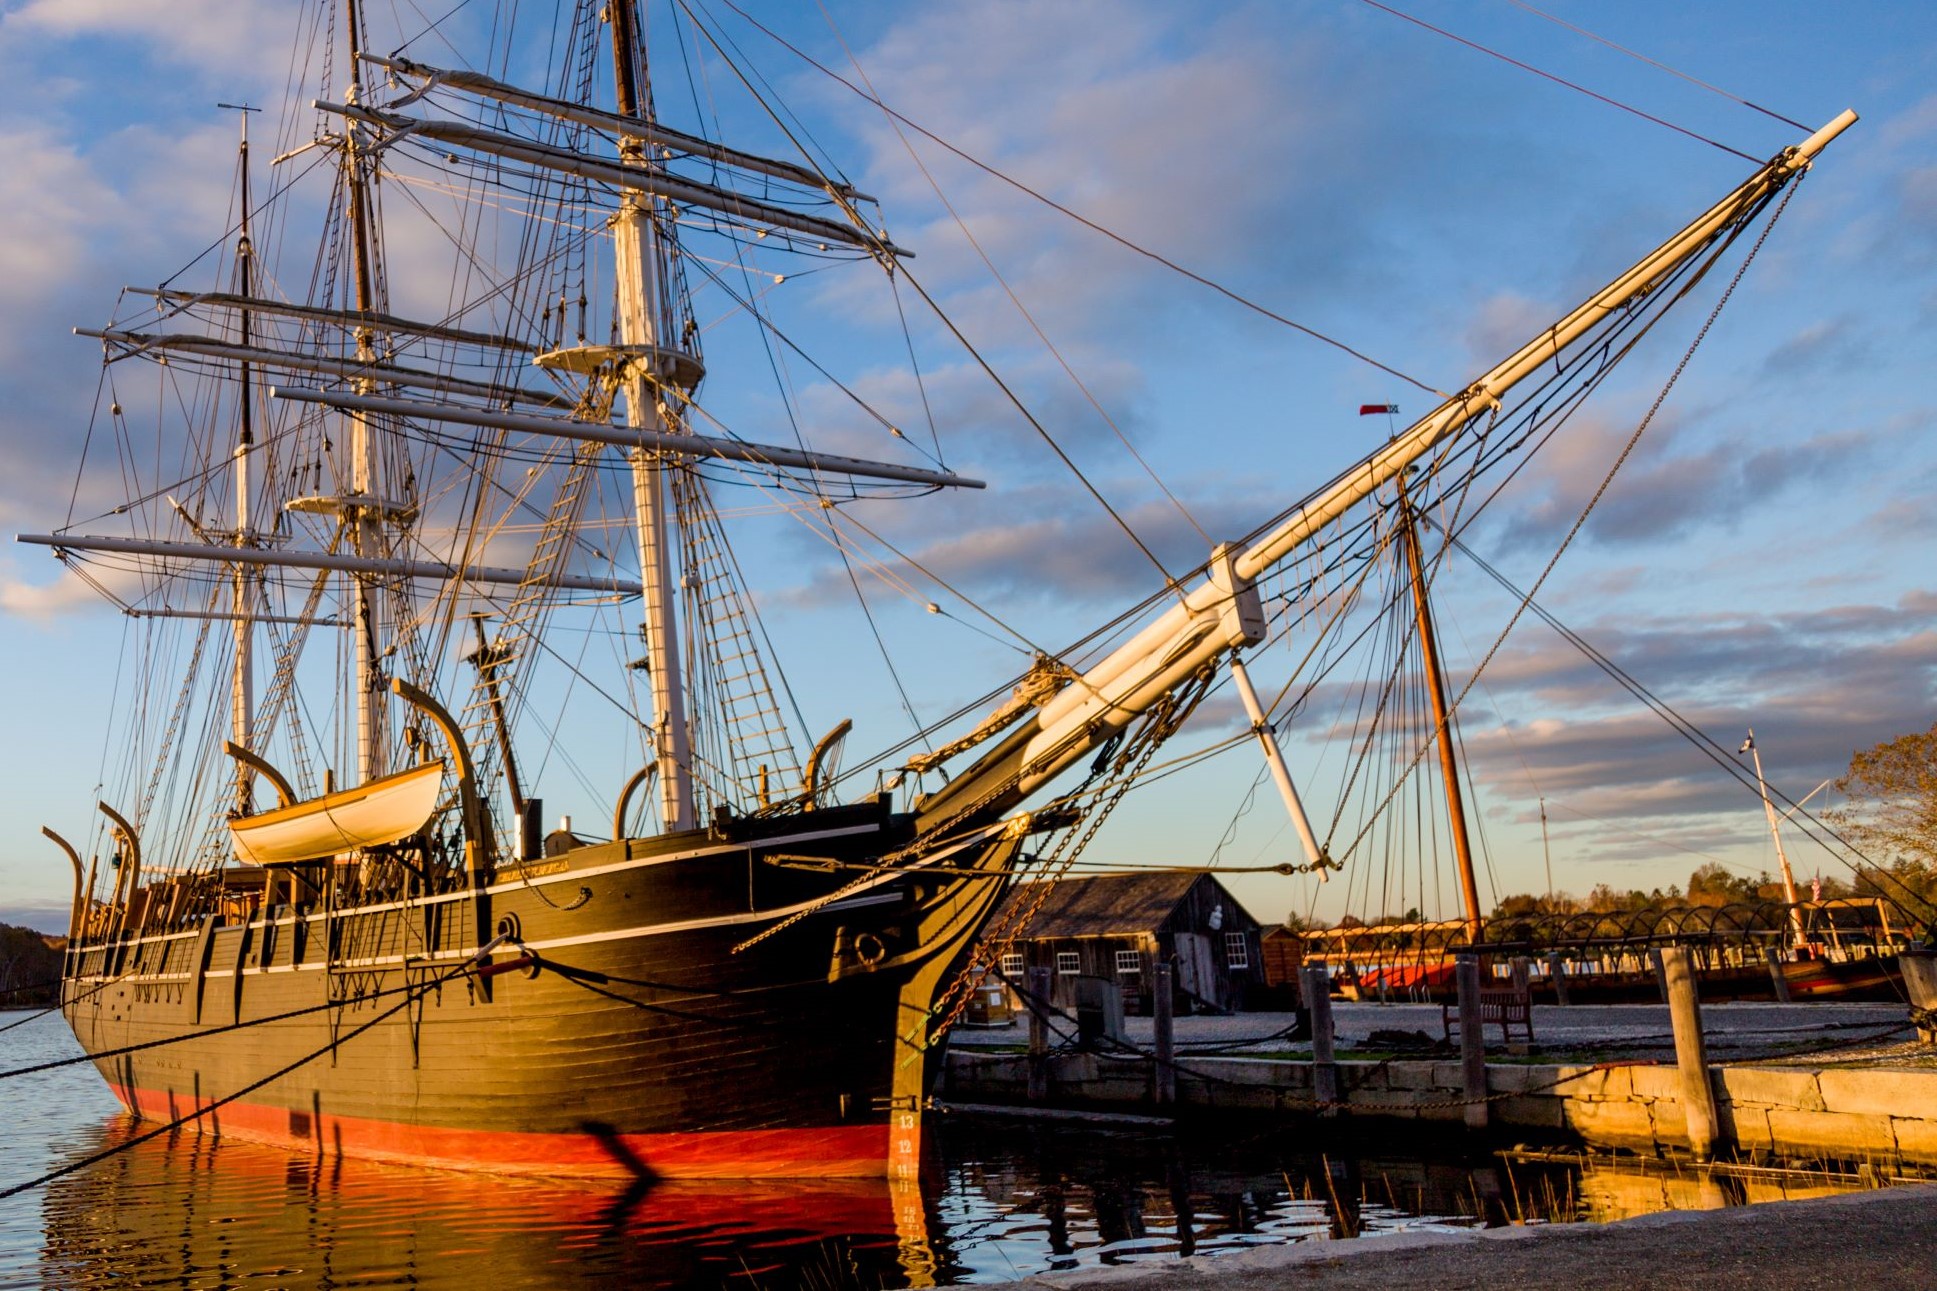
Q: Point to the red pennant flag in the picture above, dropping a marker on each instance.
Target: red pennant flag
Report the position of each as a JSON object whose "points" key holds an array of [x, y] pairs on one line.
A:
{"points": [[1367, 409]]}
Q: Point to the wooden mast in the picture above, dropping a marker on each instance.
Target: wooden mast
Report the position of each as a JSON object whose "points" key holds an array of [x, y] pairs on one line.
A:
{"points": [[642, 279], [363, 511], [1442, 718], [242, 697], [1796, 933]]}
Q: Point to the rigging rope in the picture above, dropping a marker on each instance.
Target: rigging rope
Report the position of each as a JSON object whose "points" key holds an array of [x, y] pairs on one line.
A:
{"points": [[1559, 80], [1713, 89], [1682, 726], [1083, 220], [1009, 291], [1606, 481]]}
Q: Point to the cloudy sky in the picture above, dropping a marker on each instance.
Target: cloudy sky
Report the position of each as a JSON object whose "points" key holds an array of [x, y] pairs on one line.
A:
{"points": [[1763, 558]]}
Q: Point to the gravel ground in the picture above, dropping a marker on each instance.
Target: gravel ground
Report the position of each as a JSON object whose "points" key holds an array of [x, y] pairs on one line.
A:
{"points": [[1872, 1241], [1866, 1033]]}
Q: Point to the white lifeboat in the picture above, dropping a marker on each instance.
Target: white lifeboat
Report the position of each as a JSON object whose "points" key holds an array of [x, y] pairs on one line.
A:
{"points": [[370, 815]]}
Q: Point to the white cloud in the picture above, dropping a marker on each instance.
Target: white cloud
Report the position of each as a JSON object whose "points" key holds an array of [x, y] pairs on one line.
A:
{"points": [[202, 32], [43, 601], [1195, 137], [52, 206]]}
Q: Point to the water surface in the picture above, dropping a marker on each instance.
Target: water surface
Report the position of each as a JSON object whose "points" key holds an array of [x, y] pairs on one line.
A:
{"points": [[1001, 1199]]}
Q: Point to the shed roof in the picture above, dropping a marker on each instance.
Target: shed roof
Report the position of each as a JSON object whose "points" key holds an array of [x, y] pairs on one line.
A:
{"points": [[1107, 904]]}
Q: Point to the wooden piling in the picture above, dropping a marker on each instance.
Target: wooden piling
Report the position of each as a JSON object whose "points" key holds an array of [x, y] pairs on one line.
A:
{"points": [[1557, 975], [1318, 994], [1038, 1002], [1472, 1041], [1164, 1071], [1691, 1054], [1661, 973], [1920, 983], [1777, 978]]}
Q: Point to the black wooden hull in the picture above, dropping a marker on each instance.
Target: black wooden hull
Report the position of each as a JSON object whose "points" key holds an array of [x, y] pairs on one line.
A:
{"points": [[625, 1026]]}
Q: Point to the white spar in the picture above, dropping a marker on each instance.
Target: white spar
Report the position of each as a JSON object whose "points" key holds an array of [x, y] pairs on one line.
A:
{"points": [[1222, 613]]}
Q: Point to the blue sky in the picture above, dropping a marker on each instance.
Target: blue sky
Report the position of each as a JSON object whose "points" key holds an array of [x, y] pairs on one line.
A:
{"points": [[1762, 559]]}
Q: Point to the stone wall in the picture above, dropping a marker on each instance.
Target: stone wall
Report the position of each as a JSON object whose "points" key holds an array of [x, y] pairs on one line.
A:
{"points": [[1829, 1112]]}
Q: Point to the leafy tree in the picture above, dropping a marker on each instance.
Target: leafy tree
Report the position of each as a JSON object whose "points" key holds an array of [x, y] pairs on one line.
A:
{"points": [[30, 969], [1711, 885], [1526, 905], [1892, 810], [1608, 899], [1913, 881]]}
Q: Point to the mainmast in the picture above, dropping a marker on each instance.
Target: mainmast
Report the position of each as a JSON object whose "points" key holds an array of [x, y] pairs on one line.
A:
{"points": [[643, 252], [1442, 717]]}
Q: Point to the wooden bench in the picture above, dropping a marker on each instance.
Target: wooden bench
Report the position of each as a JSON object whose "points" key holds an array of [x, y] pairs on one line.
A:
{"points": [[1506, 1008]]}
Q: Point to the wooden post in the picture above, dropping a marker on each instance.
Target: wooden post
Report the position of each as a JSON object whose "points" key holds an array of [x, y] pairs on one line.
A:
{"points": [[1920, 983], [1777, 978], [1472, 1041], [1661, 973], [1164, 1074], [1318, 993], [1038, 1002], [1691, 1054], [1557, 974], [1522, 978]]}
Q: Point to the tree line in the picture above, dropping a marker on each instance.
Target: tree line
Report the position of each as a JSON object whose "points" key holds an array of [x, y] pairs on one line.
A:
{"points": [[30, 968], [1888, 821]]}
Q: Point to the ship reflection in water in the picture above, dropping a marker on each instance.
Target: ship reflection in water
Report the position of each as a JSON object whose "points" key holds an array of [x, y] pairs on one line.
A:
{"points": [[1003, 1199]]}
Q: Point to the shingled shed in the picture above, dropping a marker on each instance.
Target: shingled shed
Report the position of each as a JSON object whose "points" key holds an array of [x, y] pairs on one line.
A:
{"points": [[1121, 926]]}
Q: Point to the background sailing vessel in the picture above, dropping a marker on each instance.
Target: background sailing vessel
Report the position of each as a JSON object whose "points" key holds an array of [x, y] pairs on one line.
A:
{"points": [[953, 829]]}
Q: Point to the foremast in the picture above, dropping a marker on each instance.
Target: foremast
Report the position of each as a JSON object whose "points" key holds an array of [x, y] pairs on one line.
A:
{"points": [[242, 700], [363, 511]]}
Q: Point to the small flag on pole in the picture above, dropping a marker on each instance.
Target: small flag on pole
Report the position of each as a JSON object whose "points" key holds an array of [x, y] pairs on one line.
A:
{"points": [[1367, 409]]}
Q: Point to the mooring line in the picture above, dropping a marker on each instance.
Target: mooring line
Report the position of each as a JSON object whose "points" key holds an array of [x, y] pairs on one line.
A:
{"points": [[226, 1099], [209, 1031], [96, 989]]}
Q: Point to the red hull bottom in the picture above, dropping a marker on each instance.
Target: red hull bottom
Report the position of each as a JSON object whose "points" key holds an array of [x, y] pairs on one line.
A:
{"points": [[836, 1151]]}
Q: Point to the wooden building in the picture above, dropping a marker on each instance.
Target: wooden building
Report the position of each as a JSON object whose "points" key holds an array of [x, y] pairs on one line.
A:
{"points": [[1119, 927]]}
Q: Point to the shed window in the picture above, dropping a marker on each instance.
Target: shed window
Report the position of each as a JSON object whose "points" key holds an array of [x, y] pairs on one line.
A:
{"points": [[1012, 965], [1068, 961], [1237, 950], [1129, 963]]}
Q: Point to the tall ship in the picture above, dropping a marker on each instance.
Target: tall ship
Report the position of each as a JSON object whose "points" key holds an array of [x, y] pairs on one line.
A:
{"points": [[391, 563]]}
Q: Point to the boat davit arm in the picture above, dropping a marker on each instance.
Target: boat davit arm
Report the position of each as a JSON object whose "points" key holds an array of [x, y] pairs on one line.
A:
{"points": [[128, 875], [477, 848], [285, 792], [643, 775], [817, 763], [74, 857], [1223, 613], [479, 851]]}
